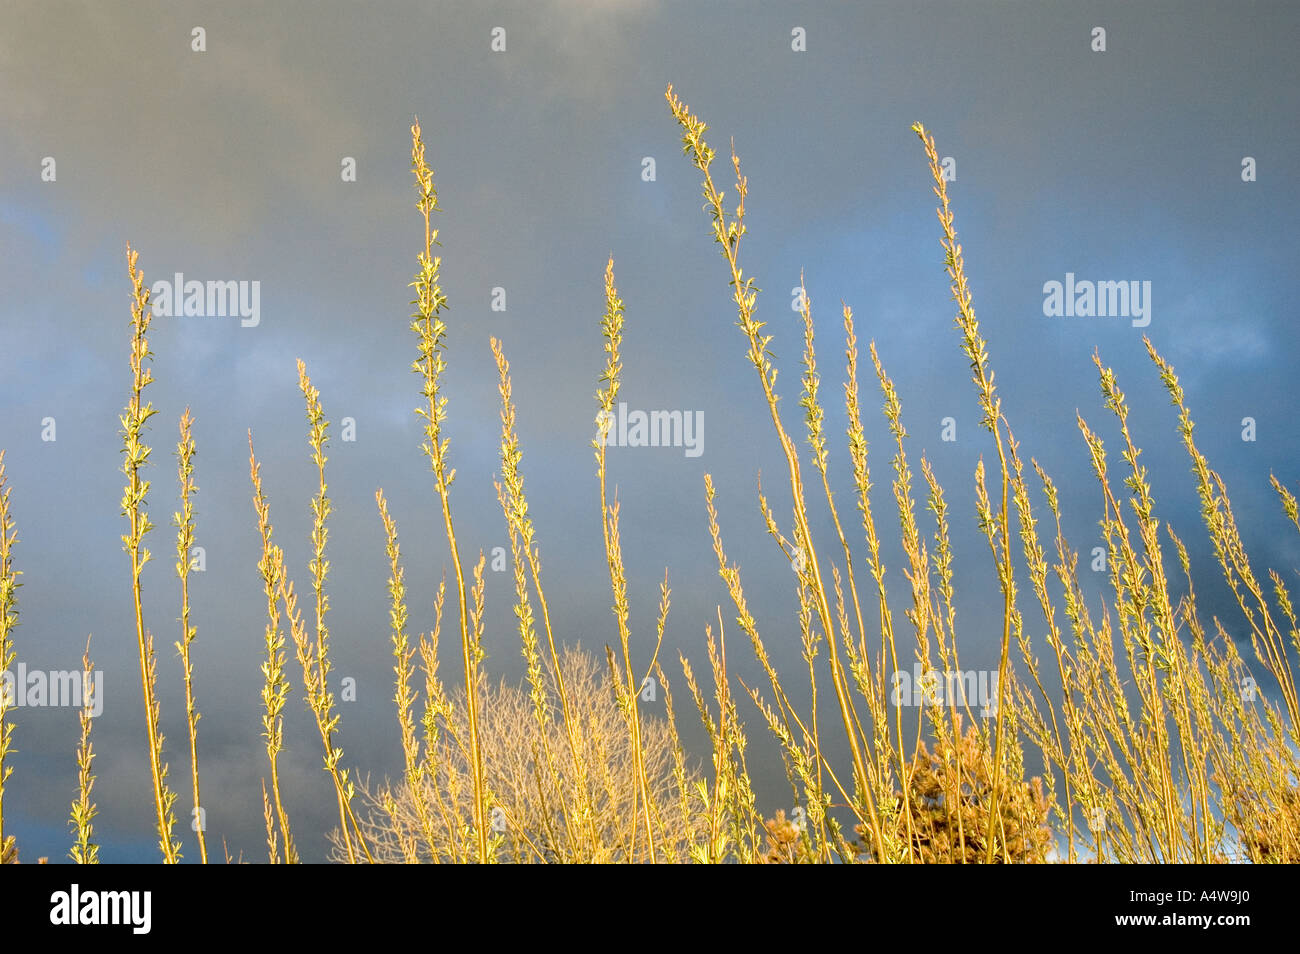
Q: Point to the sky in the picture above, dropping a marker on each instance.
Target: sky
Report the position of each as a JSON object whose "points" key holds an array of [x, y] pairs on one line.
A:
{"points": [[1162, 160]]}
